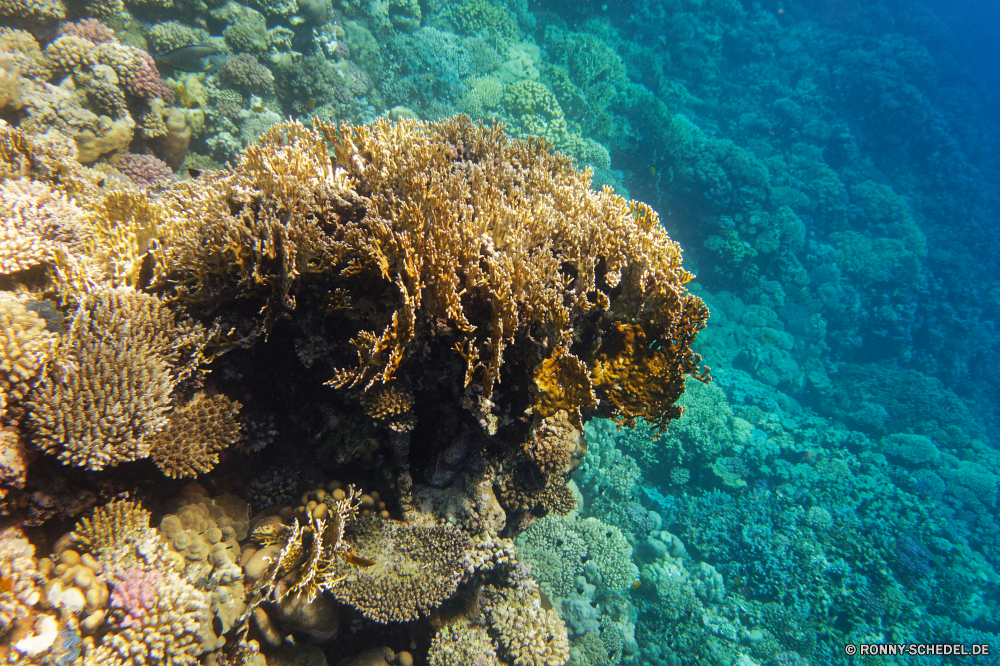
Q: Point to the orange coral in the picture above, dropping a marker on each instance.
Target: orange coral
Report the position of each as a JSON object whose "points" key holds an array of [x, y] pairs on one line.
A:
{"points": [[641, 371], [562, 383]]}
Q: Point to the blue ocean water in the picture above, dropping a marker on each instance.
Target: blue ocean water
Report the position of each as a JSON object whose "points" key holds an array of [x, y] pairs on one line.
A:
{"points": [[831, 169]]}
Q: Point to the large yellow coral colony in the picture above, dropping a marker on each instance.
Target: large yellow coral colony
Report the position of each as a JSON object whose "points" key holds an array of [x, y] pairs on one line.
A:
{"points": [[467, 298]]}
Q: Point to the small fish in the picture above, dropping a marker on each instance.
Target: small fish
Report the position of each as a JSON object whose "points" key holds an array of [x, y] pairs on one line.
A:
{"points": [[192, 58], [359, 561]]}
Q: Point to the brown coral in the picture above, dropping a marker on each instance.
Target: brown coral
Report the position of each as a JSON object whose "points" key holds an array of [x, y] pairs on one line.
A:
{"points": [[119, 536], [35, 223], [527, 633], [110, 391], [640, 370], [484, 246], [414, 568], [196, 434], [563, 384], [554, 443], [19, 48], [69, 52], [21, 585], [15, 152], [33, 10], [25, 346], [390, 405], [313, 547]]}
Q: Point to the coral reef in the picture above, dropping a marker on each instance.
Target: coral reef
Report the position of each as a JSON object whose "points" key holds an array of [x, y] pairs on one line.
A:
{"points": [[193, 285], [197, 432]]}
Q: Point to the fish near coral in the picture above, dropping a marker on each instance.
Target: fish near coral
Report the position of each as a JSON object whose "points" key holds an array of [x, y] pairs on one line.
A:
{"points": [[192, 58]]}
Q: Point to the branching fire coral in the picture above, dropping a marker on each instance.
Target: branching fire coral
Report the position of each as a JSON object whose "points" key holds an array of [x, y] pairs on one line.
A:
{"points": [[499, 240]]}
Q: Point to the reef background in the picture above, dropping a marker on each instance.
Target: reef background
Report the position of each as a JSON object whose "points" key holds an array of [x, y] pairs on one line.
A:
{"points": [[830, 169]]}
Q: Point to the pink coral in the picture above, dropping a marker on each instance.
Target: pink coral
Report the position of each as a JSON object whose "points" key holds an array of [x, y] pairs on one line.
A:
{"points": [[135, 594], [144, 79], [145, 170], [136, 70], [90, 29]]}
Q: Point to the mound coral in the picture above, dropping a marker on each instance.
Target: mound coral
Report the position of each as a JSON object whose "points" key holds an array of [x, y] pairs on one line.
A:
{"points": [[25, 346]]}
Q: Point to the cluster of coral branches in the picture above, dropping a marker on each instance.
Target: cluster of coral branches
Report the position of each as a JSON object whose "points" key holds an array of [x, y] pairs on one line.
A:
{"points": [[460, 302]]}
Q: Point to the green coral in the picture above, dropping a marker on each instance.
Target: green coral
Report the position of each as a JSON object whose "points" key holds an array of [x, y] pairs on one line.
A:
{"points": [[478, 15], [561, 548], [707, 429]]}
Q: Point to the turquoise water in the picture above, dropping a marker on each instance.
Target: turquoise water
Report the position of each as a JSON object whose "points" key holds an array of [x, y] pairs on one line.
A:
{"points": [[830, 169]]}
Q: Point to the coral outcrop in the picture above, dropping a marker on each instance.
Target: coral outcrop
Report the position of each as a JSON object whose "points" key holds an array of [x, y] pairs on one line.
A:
{"points": [[461, 301]]}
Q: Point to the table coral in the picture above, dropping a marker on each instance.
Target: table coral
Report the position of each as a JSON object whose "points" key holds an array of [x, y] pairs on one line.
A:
{"points": [[197, 432], [415, 569]]}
